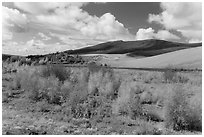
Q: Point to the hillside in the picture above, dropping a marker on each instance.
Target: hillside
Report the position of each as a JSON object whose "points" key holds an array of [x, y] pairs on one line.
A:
{"points": [[187, 58], [149, 47], [144, 53]]}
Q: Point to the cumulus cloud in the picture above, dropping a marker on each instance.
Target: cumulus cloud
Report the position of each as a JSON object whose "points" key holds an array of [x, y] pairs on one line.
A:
{"points": [[150, 33], [72, 16], [184, 17], [105, 27], [12, 21], [73, 26]]}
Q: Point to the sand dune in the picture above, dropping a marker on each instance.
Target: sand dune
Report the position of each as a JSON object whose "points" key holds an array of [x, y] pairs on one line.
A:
{"points": [[187, 58]]}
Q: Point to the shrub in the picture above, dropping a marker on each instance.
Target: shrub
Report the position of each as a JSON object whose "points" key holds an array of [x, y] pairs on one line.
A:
{"points": [[128, 101], [153, 112], [14, 58], [38, 87], [21, 77], [179, 78], [120, 105], [76, 87], [93, 67], [169, 75], [58, 71], [50, 90], [79, 76], [146, 128], [93, 107], [150, 77], [16, 84], [31, 84], [43, 106], [179, 113], [153, 96], [135, 105], [102, 81], [78, 94], [66, 89], [195, 112], [41, 88]]}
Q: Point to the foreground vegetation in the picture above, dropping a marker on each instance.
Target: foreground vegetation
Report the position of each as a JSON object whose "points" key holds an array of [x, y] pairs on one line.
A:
{"points": [[53, 99]]}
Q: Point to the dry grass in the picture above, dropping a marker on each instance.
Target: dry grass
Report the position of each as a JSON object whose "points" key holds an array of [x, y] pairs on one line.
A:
{"points": [[102, 81], [181, 113], [98, 93], [58, 71], [128, 101]]}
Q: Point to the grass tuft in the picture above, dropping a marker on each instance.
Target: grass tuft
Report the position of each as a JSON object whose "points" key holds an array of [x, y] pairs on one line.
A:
{"points": [[58, 71], [180, 115]]}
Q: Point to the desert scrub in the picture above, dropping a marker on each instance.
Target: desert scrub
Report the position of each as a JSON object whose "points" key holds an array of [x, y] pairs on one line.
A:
{"points": [[146, 128], [180, 112], [16, 83], [20, 78], [58, 71], [29, 81], [38, 87], [66, 89], [102, 81], [169, 74], [50, 90], [128, 102], [181, 78], [75, 89], [151, 77]]}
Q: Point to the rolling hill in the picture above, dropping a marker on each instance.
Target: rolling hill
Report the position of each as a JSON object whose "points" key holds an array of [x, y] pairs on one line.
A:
{"points": [[145, 48]]}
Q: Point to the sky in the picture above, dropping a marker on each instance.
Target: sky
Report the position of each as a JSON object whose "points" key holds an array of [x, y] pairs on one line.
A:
{"points": [[41, 28]]}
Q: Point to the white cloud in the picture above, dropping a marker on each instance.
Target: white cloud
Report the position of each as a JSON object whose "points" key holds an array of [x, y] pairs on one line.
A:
{"points": [[75, 41], [36, 47], [43, 36], [143, 34], [45, 7], [12, 21], [105, 27], [184, 17], [35, 44], [165, 34], [150, 33], [72, 16], [72, 27], [6, 34], [194, 41]]}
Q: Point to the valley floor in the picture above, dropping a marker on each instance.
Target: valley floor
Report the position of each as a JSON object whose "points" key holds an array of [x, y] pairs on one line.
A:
{"points": [[21, 115]]}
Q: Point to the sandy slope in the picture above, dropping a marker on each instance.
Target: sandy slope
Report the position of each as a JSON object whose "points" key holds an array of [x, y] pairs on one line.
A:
{"points": [[187, 58]]}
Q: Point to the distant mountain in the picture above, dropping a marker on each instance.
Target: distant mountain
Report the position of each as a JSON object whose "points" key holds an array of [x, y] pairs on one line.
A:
{"points": [[149, 47]]}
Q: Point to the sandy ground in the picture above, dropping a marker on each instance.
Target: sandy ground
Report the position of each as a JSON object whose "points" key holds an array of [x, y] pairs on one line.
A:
{"points": [[187, 58]]}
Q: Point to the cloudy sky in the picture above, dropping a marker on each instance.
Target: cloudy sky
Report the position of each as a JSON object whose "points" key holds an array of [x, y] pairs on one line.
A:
{"points": [[39, 28]]}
